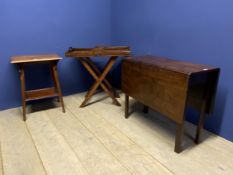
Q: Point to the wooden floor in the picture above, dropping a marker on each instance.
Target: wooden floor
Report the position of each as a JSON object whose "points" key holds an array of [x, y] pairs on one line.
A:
{"points": [[97, 140]]}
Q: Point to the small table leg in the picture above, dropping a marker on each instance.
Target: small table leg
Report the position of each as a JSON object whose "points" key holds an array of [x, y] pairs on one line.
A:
{"points": [[57, 84], [23, 89]]}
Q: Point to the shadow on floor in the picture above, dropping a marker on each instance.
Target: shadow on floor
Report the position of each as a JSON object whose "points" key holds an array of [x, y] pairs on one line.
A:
{"points": [[155, 120], [41, 105]]}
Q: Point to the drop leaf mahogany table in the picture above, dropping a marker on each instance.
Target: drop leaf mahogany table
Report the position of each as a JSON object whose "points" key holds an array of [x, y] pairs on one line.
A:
{"points": [[29, 95], [85, 54], [169, 86]]}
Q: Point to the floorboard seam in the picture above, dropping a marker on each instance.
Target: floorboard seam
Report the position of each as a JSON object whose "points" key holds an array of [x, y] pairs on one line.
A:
{"points": [[140, 147], [1, 158], [91, 110], [62, 135], [100, 142], [153, 157], [135, 143], [34, 144]]}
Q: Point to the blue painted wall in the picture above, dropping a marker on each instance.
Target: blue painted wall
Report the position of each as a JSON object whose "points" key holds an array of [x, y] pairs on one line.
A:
{"points": [[199, 31], [49, 26]]}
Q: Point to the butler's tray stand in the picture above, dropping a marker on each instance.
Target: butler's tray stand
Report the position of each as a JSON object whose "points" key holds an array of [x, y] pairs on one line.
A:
{"points": [[85, 54]]}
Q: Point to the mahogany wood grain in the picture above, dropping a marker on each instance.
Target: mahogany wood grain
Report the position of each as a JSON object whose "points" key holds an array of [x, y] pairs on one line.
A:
{"points": [[169, 86], [23, 89], [85, 54], [98, 73], [57, 83], [34, 58], [104, 51], [52, 60], [41, 93], [99, 81], [126, 106]]}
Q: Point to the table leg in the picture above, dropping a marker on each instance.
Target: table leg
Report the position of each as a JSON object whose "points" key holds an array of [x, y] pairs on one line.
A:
{"points": [[53, 78], [126, 106], [200, 123], [207, 94], [57, 84], [23, 89], [109, 86], [179, 136], [90, 66], [145, 109], [99, 80]]}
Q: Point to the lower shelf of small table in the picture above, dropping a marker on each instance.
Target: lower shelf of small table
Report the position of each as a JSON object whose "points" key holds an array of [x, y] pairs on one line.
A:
{"points": [[41, 94]]}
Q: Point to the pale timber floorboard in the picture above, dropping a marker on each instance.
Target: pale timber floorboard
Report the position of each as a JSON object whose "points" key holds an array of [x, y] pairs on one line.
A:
{"points": [[156, 136], [98, 140], [94, 156], [1, 166], [126, 151], [57, 156], [19, 154]]}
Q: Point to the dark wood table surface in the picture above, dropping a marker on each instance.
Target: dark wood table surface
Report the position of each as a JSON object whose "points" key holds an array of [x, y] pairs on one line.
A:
{"points": [[169, 86]]}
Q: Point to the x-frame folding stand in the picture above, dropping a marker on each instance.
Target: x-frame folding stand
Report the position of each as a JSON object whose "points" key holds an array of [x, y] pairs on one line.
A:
{"points": [[84, 55]]}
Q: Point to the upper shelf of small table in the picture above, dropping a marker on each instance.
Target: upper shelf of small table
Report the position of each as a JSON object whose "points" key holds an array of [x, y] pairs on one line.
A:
{"points": [[98, 51], [34, 58]]}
